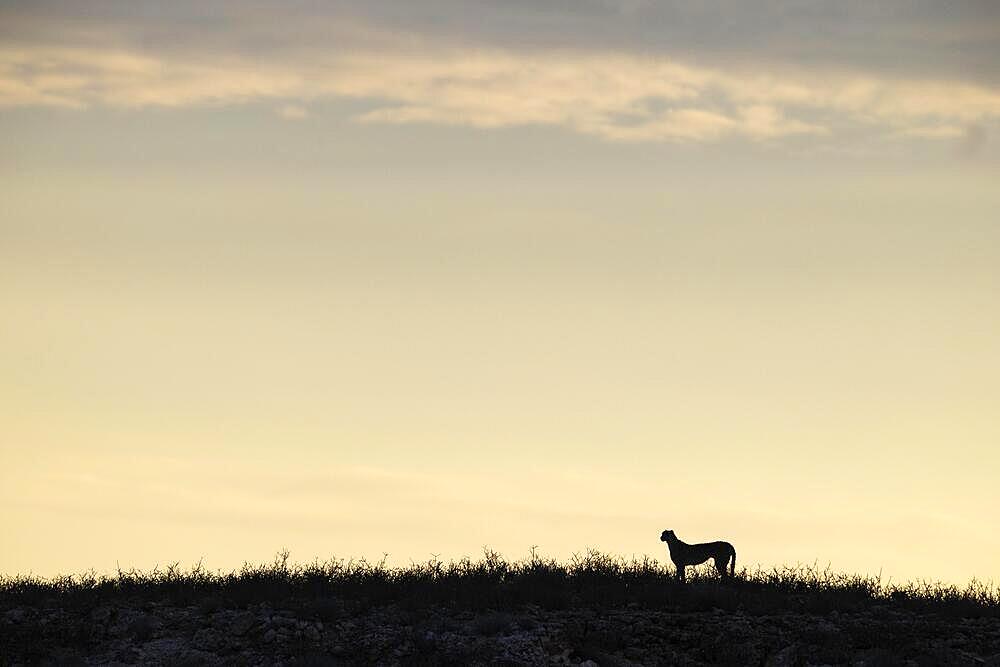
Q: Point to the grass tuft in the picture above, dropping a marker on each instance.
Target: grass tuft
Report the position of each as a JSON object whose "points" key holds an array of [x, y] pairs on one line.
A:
{"points": [[494, 583]]}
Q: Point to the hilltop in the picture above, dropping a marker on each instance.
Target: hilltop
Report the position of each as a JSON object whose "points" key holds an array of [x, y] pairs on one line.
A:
{"points": [[596, 609]]}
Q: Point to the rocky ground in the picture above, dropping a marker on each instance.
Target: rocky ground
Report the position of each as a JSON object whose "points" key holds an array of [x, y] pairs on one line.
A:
{"points": [[331, 631]]}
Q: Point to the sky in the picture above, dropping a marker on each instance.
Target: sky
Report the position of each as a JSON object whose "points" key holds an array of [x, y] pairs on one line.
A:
{"points": [[420, 278]]}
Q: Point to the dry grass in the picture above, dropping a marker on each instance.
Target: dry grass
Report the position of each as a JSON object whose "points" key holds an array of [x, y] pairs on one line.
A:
{"points": [[492, 582]]}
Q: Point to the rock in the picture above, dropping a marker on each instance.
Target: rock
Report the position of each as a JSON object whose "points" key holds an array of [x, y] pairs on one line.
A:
{"points": [[242, 624], [128, 655], [15, 616], [783, 658], [282, 621], [143, 627], [174, 651], [102, 615], [562, 658], [208, 639], [387, 633]]}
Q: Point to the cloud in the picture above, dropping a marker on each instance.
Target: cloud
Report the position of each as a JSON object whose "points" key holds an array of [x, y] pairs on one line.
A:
{"points": [[614, 96], [973, 140], [932, 132], [910, 39], [764, 121], [293, 112]]}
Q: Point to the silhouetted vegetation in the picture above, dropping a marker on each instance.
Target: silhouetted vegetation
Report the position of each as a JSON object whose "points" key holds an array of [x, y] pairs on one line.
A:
{"points": [[493, 582], [595, 608]]}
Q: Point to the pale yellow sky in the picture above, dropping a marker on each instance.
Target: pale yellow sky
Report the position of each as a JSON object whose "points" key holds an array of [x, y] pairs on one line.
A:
{"points": [[417, 296]]}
